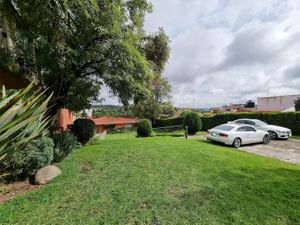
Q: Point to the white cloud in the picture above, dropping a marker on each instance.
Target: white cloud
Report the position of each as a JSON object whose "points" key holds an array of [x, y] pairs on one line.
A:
{"points": [[230, 50]]}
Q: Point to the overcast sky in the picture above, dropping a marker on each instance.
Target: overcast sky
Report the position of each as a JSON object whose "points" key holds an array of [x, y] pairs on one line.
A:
{"points": [[229, 51]]}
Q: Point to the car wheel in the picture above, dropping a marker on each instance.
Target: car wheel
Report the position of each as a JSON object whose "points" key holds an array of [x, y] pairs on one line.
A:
{"points": [[273, 135], [237, 142], [266, 139]]}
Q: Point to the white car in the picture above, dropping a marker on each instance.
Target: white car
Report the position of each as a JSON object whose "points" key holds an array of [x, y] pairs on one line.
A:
{"points": [[276, 132], [237, 135]]}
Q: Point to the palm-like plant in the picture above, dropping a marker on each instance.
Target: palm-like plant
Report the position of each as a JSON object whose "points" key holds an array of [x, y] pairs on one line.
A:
{"points": [[22, 118]]}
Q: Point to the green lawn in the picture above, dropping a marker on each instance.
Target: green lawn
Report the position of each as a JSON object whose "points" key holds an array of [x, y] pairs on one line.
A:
{"points": [[296, 137], [162, 180]]}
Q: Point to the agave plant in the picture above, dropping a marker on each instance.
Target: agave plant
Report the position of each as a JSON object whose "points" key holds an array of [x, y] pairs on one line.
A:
{"points": [[22, 118]]}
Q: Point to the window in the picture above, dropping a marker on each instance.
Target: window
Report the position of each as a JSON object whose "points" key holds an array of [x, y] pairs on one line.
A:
{"points": [[240, 121], [224, 128], [245, 129], [249, 122], [241, 129], [260, 123]]}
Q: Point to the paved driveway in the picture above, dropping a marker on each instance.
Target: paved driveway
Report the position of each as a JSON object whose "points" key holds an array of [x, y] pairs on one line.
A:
{"points": [[288, 151]]}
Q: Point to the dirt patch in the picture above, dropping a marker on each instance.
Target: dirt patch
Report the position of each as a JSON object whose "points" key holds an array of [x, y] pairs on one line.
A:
{"points": [[12, 190]]}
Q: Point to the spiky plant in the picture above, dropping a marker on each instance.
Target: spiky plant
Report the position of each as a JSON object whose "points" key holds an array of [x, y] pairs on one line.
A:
{"points": [[22, 118]]}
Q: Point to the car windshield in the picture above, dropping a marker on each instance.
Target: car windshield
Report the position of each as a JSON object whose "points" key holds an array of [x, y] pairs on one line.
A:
{"points": [[260, 123], [224, 127]]}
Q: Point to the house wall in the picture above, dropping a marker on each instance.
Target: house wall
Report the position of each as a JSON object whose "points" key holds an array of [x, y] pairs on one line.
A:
{"points": [[277, 104], [12, 81], [65, 118]]}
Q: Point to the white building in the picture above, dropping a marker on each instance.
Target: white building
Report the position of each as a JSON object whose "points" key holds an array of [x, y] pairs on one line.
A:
{"points": [[277, 103]]}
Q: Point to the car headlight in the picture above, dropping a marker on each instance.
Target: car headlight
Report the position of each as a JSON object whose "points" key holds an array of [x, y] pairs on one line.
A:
{"points": [[282, 132]]}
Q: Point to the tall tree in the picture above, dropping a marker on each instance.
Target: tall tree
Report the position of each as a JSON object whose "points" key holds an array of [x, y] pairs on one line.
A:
{"points": [[72, 47], [156, 49]]}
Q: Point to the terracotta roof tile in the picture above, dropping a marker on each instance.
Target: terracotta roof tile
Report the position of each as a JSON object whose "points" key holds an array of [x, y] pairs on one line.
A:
{"points": [[111, 120]]}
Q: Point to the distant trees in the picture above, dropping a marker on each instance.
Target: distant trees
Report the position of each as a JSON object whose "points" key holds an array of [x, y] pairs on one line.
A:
{"points": [[297, 104]]}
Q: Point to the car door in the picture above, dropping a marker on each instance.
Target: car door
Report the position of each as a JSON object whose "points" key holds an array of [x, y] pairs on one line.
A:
{"points": [[244, 134], [253, 135]]}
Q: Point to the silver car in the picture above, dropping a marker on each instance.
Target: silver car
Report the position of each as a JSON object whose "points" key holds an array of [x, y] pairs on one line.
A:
{"points": [[276, 132], [237, 135]]}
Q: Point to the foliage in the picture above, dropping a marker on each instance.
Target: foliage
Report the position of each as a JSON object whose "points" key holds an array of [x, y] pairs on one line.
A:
{"points": [[64, 144], [160, 92], [36, 154], [73, 47], [144, 129], [157, 50], [22, 118], [193, 122], [290, 120], [83, 130], [168, 108], [169, 122], [113, 111], [297, 105], [137, 181]]}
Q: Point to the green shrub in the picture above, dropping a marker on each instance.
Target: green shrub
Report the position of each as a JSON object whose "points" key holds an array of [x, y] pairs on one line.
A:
{"points": [[193, 122], [144, 129], [64, 144], [84, 130], [36, 154]]}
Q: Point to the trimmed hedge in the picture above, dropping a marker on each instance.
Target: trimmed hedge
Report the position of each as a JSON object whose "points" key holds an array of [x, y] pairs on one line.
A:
{"points": [[290, 120], [168, 122]]}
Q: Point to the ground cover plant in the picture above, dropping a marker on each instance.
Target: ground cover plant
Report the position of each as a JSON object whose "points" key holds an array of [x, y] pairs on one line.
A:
{"points": [[162, 180]]}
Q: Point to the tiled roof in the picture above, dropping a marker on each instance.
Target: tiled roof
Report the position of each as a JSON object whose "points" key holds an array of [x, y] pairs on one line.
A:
{"points": [[111, 121]]}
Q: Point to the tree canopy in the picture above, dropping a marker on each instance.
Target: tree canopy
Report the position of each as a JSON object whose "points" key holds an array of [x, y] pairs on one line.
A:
{"points": [[73, 47]]}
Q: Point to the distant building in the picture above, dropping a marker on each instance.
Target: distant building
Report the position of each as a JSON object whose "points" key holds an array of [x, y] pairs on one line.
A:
{"points": [[234, 108], [109, 123], [277, 103], [216, 110]]}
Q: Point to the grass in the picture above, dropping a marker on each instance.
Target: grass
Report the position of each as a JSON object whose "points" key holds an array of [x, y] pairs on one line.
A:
{"points": [[296, 137], [162, 180]]}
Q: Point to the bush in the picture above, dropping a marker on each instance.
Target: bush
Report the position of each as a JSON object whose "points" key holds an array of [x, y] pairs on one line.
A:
{"points": [[36, 154], [290, 120], [64, 144], [169, 122], [84, 130], [144, 129], [193, 121]]}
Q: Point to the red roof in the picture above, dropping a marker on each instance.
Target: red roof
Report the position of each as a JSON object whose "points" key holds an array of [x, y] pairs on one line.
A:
{"points": [[111, 121]]}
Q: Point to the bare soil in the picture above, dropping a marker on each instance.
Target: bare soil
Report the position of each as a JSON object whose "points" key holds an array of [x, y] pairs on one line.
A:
{"points": [[12, 190]]}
